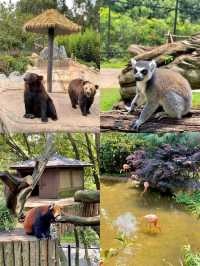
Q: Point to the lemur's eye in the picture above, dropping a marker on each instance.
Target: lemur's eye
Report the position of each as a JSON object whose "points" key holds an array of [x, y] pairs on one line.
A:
{"points": [[135, 70], [144, 71]]}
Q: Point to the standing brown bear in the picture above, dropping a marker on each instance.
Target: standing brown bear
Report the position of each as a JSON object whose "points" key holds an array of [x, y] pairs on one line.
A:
{"points": [[37, 101], [82, 93]]}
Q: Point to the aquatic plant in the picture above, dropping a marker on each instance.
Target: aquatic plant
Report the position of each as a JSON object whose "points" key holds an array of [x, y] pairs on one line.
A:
{"points": [[191, 258], [192, 201], [126, 226], [169, 168]]}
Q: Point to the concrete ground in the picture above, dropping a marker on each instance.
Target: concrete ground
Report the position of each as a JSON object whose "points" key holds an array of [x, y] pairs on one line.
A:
{"points": [[94, 255], [69, 119]]}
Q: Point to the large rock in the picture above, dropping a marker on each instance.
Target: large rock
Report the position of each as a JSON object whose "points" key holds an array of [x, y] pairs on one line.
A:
{"points": [[58, 53], [16, 76], [3, 76]]}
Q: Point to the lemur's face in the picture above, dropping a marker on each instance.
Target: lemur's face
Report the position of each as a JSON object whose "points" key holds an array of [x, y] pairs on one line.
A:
{"points": [[143, 70]]}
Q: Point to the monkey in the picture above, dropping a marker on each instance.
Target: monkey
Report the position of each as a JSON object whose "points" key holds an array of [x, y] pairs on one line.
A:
{"points": [[159, 87]]}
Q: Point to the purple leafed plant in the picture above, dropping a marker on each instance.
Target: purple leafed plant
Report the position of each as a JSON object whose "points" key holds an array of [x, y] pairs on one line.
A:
{"points": [[167, 168]]}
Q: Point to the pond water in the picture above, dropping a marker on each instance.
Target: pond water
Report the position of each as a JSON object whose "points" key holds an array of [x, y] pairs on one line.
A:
{"points": [[178, 228]]}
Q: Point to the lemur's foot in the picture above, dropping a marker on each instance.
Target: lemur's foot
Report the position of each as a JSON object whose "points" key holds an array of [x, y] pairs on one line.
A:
{"points": [[136, 125], [161, 115], [127, 108]]}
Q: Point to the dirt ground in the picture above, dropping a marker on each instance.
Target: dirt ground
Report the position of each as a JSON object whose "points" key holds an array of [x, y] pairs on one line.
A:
{"points": [[69, 119], [109, 77]]}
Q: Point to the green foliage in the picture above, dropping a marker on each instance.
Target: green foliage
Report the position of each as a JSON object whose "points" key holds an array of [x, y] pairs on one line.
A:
{"points": [[12, 36], [144, 25], [91, 237], [9, 64], [191, 258], [7, 221], [84, 46], [115, 148], [191, 201]]}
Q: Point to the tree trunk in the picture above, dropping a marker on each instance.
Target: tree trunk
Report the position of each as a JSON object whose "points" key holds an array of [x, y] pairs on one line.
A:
{"points": [[118, 121], [93, 161], [74, 146], [50, 59], [38, 171], [80, 221], [87, 196]]}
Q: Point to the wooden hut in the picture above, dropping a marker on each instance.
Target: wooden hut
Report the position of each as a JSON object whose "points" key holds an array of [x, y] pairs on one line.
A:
{"points": [[61, 178]]}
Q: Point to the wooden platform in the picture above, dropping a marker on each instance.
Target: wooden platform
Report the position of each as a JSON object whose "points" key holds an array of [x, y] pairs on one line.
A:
{"points": [[121, 121]]}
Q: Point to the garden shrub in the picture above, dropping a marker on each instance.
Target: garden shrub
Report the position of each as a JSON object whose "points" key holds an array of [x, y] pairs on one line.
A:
{"points": [[9, 64], [114, 150], [84, 46], [168, 169], [7, 221]]}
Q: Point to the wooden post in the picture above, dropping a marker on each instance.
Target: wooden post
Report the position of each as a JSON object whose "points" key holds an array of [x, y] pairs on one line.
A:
{"points": [[50, 59], [18, 249]]}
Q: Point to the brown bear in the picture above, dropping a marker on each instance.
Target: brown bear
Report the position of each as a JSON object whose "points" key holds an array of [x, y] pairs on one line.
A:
{"points": [[82, 93], [37, 101]]}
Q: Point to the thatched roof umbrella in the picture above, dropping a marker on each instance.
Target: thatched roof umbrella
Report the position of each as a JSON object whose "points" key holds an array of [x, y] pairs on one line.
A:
{"points": [[53, 23]]}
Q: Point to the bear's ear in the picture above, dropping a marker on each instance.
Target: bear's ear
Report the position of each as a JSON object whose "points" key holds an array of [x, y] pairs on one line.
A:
{"points": [[40, 77], [96, 87], [85, 82]]}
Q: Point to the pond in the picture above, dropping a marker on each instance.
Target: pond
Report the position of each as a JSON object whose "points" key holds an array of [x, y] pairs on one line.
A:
{"points": [[178, 227]]}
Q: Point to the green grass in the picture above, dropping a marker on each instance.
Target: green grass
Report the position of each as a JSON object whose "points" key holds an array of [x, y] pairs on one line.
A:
{"points": [[114, 63], [108, 98], [196, 100]]}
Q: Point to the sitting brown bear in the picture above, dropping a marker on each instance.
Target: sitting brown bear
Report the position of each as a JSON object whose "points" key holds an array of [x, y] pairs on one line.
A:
{"points": [[82, 93], [37, 101]]}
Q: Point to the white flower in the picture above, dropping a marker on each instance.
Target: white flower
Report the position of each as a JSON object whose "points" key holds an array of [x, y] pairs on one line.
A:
{"points": [[126, 224]]}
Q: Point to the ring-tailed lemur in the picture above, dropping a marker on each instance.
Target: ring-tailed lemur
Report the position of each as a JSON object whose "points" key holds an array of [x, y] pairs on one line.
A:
{"points": [[159, 87]]}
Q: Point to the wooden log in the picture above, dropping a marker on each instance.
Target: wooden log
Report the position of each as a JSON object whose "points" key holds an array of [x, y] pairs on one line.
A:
{"points": [[43, 253], [1, 255], [89, 196], [17, 253], [8, 249], [25, 253], [120, 121], [80, 221], [18, 249]]}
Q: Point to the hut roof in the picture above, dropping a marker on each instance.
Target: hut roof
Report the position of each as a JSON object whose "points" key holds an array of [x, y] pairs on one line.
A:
{"points": [[51, 18], [56, 161]]}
